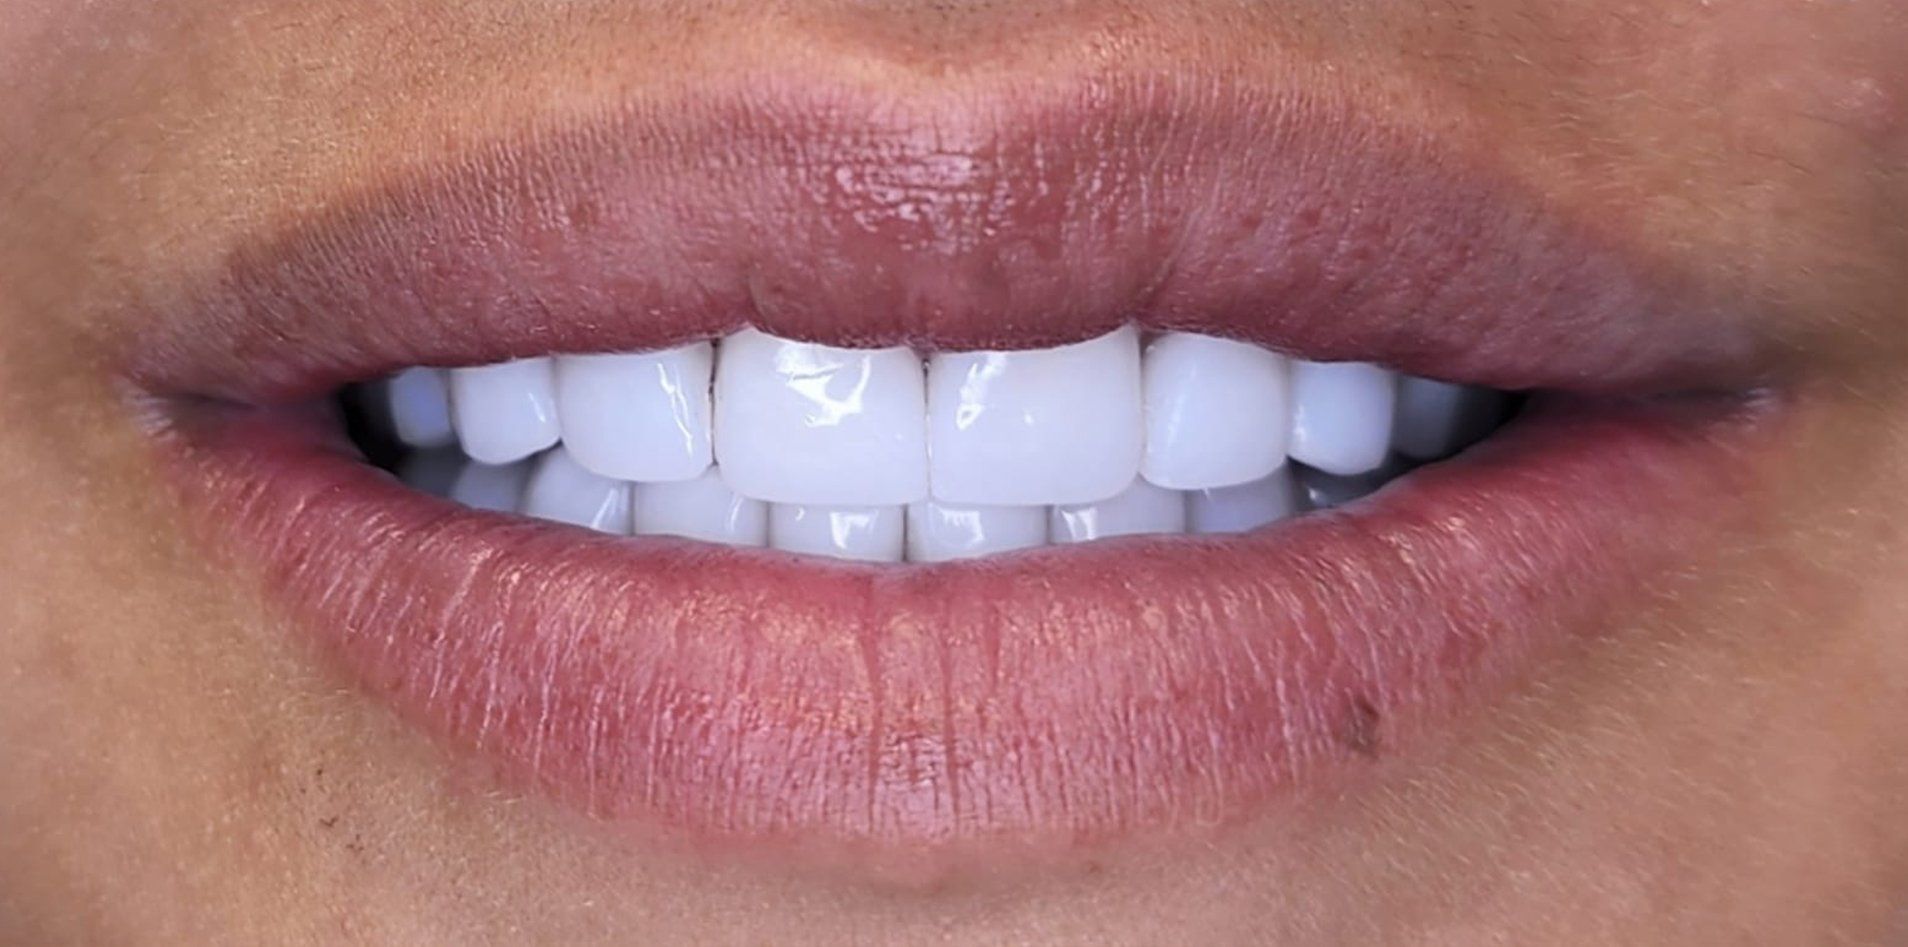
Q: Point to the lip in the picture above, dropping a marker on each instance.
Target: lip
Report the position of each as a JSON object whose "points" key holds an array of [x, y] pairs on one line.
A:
{"points": [[1293, 217], [1057, 696]]}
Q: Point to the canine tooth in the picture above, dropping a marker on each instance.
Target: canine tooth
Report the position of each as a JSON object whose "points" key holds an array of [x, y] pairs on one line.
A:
{"points": [[810, 424], [562, 491], [1142, 508], [1436, 419], [418, 403], [1247, 506], [1059, 425], [498, 488], [1218, 412], [1341, 415], [866, 533], [704, 508], [642, 416], [938, 532], [505, 412], [431, 471]]}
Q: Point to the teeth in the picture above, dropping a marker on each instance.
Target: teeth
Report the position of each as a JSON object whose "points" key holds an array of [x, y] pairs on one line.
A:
{"points": [[1436, 419], [562, 491], [1217, 412], [869, 455], [1142, 508], [642, 417], [704, 508], [418, 403], [1341, 416], [505, 412], [431, 471], [1059, 425], [487, 487], [1323, 491], [939, 533], [866, 533], [1246, 507], [809, 424]]}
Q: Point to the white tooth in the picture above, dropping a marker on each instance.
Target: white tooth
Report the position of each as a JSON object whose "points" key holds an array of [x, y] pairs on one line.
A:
{"points": [[418, 403], [505, 412], [1247, 506], [1323, 491], [867, 533], [810, 424], [1060, 425], [562, 491], [1217, 411], [938, 532], [1437, 418], [641, 417], [1341, 415], [498, 488], [1143, 508], [431, 471], [704, 508]]}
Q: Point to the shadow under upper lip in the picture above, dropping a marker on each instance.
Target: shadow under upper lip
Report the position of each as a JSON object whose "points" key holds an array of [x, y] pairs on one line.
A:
{"points": [[1294, 218]]}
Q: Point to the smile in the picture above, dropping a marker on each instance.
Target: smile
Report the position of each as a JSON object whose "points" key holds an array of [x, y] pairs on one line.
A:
{"points": [[875, 455], [1050, 470]]}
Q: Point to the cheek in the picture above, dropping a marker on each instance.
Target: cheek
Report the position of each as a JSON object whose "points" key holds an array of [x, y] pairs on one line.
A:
{"points": [[1834, 77]]}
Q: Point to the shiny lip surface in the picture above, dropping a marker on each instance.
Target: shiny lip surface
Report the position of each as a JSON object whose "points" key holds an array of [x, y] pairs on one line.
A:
{"points": [[1060, 695]]}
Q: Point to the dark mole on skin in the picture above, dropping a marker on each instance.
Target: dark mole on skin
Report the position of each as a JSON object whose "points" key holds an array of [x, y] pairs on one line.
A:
{"points": [[1360, 729]]}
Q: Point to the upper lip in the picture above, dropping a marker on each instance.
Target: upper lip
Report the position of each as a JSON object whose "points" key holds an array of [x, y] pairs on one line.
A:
{"points": [[1041, 696], [1301, 222]]}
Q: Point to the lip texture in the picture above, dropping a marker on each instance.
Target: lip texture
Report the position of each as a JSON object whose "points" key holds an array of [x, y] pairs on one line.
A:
{"points": [[1070, 694], [1287, 217]]}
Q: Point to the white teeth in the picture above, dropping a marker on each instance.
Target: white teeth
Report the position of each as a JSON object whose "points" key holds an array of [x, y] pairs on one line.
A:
{"points": [[431, 471], [495, 488], [562, 491], [1437, 418], [1324, 491], [1341, 415], [809, 424], [866, 533], [418, 402], [1060, 425], [505, 412], [939, 533], [1217, 412], [869, 455], [1245, 507], [642, 417], [1142, 508], [704, 508]]}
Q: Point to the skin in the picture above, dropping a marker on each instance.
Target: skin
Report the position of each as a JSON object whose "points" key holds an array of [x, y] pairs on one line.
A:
{"points": [[1726, 768]]}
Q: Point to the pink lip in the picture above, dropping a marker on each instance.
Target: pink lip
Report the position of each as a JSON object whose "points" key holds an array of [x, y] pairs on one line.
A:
{"points": [[1063, 695], [1070, 694], [1289, 218]]}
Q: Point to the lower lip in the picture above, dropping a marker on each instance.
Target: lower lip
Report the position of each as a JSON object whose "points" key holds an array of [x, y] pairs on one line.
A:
{"points": [[1054, 697]]}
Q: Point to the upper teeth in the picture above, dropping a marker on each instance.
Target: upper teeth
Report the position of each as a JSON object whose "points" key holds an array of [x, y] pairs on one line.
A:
{"points": [[869, 453]]}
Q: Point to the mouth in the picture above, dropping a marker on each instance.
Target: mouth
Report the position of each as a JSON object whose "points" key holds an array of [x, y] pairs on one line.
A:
{"points": [[1129, 459]]}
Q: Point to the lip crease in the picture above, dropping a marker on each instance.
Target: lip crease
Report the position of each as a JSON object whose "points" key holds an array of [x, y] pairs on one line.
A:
{"points": [[1058, 696]]}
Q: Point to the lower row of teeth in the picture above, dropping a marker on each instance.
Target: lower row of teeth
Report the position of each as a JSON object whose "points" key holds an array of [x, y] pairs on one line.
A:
{"points": [[880, 455]]}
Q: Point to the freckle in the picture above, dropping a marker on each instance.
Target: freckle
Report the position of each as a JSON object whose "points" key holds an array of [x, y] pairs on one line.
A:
{"points": [[1359, 731]]}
